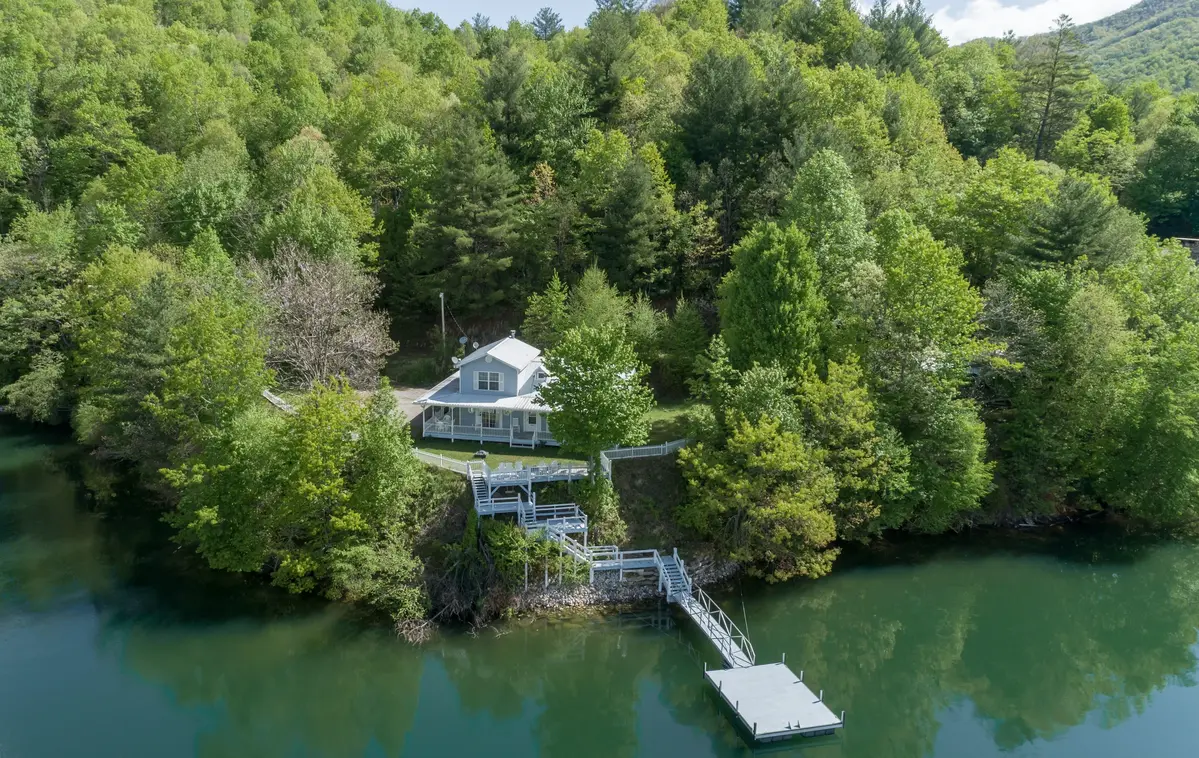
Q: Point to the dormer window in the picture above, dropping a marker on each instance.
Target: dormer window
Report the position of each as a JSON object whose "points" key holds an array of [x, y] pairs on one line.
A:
{"points": [[489, 381]]}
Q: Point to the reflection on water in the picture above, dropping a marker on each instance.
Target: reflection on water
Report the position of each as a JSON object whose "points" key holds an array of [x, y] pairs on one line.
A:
{"points": [[115, 643]]}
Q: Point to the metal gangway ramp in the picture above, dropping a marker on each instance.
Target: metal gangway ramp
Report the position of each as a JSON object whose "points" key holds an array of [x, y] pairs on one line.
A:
{"points": [[768, 700]]}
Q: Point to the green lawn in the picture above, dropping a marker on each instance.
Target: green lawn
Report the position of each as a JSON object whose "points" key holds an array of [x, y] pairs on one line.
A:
{"points": [[667, 422], [496, 452]]}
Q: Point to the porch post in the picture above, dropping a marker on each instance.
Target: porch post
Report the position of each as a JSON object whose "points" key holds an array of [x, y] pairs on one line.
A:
{"points": [[453, 422]]}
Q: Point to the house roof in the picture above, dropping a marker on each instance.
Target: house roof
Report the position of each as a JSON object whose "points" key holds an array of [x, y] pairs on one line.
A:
{"points": [[448, 393], [509, 351]]}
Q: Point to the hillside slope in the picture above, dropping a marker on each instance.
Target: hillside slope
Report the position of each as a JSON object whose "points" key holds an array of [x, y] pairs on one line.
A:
{"points": [[1155, 39]]}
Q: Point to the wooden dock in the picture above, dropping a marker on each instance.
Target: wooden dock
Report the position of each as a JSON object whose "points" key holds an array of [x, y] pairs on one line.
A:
{"points": [[768, 700]]}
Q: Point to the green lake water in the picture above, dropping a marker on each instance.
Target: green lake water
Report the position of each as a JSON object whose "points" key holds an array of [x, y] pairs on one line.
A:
{"points": [[113, 644]]}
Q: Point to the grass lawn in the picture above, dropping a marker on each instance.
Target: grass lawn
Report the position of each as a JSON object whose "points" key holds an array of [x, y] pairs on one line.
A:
{"points": [[496, 452], [667, 423]]}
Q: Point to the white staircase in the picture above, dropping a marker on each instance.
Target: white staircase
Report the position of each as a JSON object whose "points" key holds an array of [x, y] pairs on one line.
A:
{"points": [[478, 484], [560, 521], [677, 584]]}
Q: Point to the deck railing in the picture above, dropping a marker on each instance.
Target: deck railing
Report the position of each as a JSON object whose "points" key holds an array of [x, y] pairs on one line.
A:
{"points": [[468, 432]]}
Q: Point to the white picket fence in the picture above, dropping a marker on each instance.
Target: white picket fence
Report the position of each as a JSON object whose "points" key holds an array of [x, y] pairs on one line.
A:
{"points": [[442, 461], [546, 472]]}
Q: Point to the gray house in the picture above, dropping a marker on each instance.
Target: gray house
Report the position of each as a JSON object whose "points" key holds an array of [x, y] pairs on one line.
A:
{"points": [[491, 397]]}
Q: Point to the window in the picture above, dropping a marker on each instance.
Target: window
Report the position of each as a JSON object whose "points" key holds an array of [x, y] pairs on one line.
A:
{"points": [[533, 419], [489, 419], [489, 381]]}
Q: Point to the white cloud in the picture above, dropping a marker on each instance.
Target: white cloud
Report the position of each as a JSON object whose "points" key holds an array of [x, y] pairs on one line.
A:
{"points": [[990, 18]]}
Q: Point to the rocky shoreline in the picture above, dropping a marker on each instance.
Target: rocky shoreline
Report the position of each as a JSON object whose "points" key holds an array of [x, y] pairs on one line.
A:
{"points": [[609, 591]]}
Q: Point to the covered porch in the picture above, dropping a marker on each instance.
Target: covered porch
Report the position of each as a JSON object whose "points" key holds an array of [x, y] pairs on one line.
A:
{"points": [[519, 428]]}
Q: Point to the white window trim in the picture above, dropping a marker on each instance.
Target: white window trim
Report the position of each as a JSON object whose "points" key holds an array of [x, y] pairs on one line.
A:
{"points": [[494, 415], [534, 420], [479, 381]]}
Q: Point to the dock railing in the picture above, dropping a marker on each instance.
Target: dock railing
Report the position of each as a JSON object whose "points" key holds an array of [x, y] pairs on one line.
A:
{"points": [[734, 634]]}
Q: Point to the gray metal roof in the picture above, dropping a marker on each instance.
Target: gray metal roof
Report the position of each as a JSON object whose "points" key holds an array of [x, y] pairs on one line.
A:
{"points": [[448, 393], [509, 351]]}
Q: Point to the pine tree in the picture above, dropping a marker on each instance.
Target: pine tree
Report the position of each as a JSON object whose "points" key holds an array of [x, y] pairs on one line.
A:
{"points": [[683, 341], [545, 315], [464, 242], [1052, 67], [626, 243], [770, 303], [595, 303], [547, 23]]}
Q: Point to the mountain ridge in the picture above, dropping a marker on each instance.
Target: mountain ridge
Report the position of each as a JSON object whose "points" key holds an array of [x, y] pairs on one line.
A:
{"points": [[1154, 39]]}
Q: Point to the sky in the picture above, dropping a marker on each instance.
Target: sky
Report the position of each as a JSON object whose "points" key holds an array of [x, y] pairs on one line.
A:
{"points": [[958, 20]]}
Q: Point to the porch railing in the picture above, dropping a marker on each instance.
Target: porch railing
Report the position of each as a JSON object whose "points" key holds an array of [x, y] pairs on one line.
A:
{"points": [[467, 432]]}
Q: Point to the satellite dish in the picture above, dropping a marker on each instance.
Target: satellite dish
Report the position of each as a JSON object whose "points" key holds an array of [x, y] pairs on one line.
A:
{"points": [[475, 345], [462, 340]]}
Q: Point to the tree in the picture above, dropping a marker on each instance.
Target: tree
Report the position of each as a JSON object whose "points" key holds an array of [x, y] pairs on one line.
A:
{"points": [[980, 104], [37, 263], [770, 303], [628, 242], [610, 32], [1100, 143], [1167, 188], [593, 302], [214, 368], [908, 38], [546, 24], [597, 395], [644, 330], [1051, 68], [1066, 410], [463, 243], [546, 315], [864, 453], [824, 204], [989, 219], [1082, 218], [305, 203], [684, 338], [320, 320], [765, 499], [324, 499], [917, 336]]}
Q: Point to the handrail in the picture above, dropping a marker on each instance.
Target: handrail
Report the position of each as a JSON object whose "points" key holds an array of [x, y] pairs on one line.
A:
{"points": [[278, 402], [731, 630]]}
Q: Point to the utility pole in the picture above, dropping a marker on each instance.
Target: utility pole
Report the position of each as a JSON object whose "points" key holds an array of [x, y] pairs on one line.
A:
{"points": [[442, 296]]}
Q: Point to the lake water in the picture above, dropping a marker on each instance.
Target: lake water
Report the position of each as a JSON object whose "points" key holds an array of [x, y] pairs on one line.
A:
{"points": [[112, 643]]}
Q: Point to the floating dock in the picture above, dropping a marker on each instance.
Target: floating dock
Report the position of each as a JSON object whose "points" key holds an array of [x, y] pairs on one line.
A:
{"points": [[772, 703], [769, 700]]}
